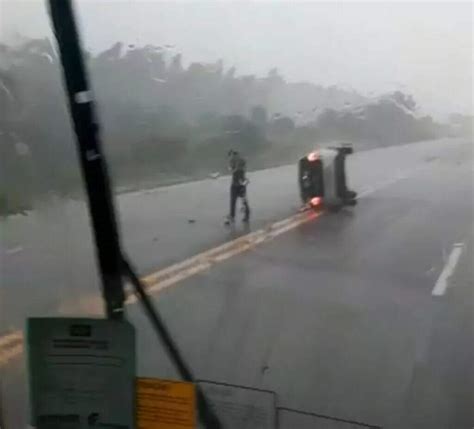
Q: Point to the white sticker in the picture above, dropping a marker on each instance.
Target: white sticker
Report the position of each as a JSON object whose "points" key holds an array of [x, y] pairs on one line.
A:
{"points": [[82, 373], [83, 97]]}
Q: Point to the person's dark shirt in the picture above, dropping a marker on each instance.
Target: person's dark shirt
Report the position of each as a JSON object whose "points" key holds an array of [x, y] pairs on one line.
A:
{"points": [[237, 166]]}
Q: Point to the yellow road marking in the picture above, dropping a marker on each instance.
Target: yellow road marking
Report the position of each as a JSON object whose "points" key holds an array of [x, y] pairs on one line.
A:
{"points": [[11, 345], [176, 273]]}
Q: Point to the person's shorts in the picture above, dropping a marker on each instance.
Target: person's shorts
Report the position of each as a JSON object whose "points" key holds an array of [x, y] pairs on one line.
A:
{"points": [[241, 191]]}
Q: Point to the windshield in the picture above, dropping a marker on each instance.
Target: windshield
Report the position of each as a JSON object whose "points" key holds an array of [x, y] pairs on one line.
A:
{"points": [[293, 183]]}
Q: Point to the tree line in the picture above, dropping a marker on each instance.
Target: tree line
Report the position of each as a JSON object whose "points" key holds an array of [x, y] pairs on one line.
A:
{"points": [[163, 121]]}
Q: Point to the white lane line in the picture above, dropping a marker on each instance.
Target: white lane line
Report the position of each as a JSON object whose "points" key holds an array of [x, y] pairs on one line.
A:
{"points": [[365, 192], [381, 185], [448, 270], [402, 175], [14, 250]]}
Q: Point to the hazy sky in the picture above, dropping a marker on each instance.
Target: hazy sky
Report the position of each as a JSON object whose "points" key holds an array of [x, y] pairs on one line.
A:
{"points": [[424, 48]]}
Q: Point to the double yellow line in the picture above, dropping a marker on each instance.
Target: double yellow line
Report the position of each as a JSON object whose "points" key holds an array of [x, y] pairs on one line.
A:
{"points": [[176, 273], [11, 345]]}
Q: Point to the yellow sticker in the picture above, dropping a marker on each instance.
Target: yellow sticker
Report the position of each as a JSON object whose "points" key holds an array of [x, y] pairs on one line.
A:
{"points": [[165, 404]]}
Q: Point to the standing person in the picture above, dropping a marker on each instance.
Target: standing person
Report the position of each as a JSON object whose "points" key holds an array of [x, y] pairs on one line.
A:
{"points": [[238, 187]]}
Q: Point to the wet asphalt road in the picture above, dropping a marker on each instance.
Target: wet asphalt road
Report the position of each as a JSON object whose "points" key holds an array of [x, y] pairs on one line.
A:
{"points": [[336, 316]]}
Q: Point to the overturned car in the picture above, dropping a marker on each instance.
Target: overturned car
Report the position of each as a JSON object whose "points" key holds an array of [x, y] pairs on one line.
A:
{"points": [[322, 178]]}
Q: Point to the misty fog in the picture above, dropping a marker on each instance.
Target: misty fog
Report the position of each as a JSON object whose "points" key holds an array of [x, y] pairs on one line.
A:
{"points": [[179, 84]]}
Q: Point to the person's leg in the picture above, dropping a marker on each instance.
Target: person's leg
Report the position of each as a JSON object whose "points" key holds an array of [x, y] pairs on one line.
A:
{"points": [[246, 210], [233, 201], [245, 202]]}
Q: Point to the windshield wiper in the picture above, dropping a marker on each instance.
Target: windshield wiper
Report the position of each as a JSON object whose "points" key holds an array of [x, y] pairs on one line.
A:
{"points": [[113, 266]]}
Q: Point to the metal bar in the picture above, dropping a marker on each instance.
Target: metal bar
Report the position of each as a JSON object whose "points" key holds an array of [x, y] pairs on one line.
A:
{"points": [[93, 163], [238, 386], [330, 418]]}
